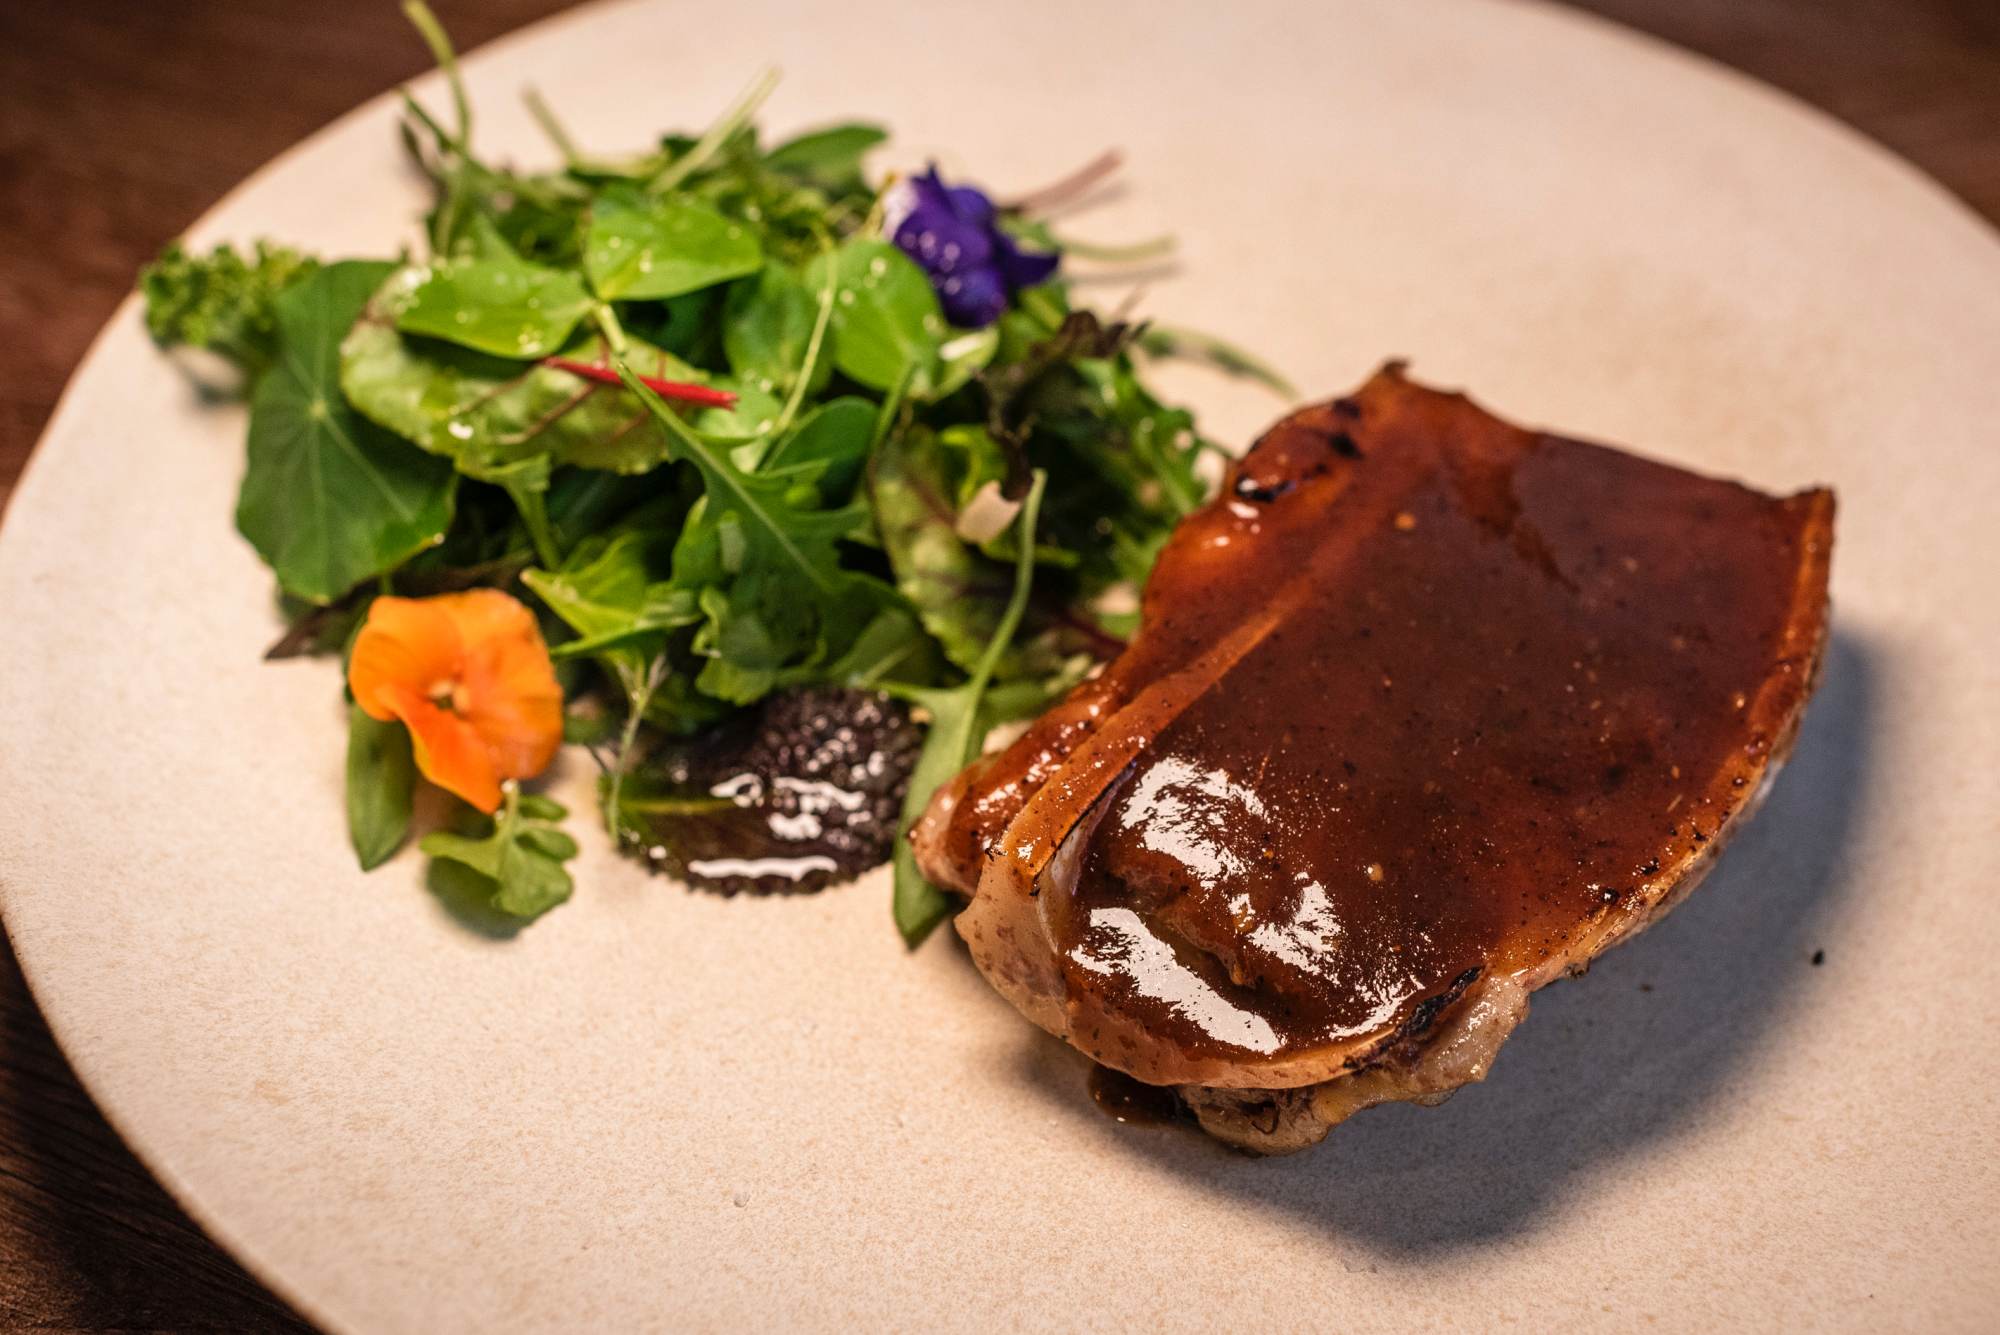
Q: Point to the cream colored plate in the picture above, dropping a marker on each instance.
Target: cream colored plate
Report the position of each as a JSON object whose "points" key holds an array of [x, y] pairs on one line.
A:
{"points": [[659, 1109]]}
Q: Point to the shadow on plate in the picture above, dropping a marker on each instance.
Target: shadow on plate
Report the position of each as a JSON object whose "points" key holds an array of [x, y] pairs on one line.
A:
{"points": [[1634, 1052], [467, 899]]}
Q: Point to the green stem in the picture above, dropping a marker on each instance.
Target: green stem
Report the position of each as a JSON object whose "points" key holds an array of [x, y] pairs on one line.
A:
{"points": [[607, 324], [638, 698], [917, 905], [1043, 306], [545, 117], [1158, 248], [1017, 607], [885, 416], [718, 134], [439, 42], [871, 225], [423, 117], [797, 397], [1165, 340]]}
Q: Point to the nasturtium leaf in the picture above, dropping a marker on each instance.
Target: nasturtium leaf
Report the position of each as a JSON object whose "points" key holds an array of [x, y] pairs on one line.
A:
{"points": [[767, 326], [329, 499], [381, 777], [504, 305], [642, 249], [827, 159], [887, 324]]}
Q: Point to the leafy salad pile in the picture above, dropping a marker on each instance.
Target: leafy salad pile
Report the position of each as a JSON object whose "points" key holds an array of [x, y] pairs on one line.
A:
{"points": [[735, 420]]}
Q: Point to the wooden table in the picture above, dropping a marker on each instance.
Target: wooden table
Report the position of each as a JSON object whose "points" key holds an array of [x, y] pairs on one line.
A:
{"points": [[121, 122]]}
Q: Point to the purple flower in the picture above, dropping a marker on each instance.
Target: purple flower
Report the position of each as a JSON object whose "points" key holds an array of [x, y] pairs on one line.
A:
{"points": [[953, 233]]}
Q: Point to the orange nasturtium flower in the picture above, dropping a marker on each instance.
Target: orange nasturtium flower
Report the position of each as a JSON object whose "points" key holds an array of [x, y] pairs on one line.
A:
{"points": [[468, 674]]}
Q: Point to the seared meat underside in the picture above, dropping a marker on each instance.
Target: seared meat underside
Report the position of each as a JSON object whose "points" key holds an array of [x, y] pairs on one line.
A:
{"points": [[1425, 711]]}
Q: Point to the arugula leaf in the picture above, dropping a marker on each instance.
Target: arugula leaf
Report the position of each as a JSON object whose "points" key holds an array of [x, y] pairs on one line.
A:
{"points": [[887, 324], [611, 594], [521, 856], [892, 649], [221, 302], [641, 249], [955, 738], [329, 499], [502, 305], [828, 159], [765, 559], [834, 437], [767, 526], [760, 636], [1121, 464], [381, 777], [607, 594]]}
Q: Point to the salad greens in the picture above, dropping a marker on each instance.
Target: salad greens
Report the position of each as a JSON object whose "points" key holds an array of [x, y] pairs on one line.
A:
{"points": [[734, 419]]}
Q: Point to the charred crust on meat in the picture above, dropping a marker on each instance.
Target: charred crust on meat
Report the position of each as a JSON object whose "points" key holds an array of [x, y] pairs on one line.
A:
{"points": [[1428, 1011]]}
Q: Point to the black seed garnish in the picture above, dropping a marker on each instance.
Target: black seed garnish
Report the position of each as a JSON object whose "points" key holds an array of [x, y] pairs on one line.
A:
{"points": [[803, 792]]}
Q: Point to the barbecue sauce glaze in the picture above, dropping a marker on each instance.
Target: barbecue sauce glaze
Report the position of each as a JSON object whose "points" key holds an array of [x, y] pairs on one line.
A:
{"points": [[1418, 697]]}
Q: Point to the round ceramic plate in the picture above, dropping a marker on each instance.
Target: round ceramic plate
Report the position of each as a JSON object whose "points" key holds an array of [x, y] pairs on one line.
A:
{"points": [[655, 1108]]}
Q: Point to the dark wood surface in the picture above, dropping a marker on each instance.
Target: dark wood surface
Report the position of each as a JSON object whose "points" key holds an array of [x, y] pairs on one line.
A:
{"points": [[120, 122]]}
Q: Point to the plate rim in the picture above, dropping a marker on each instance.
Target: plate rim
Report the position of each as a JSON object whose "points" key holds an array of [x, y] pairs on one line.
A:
{"points": [[1756, 96]]}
